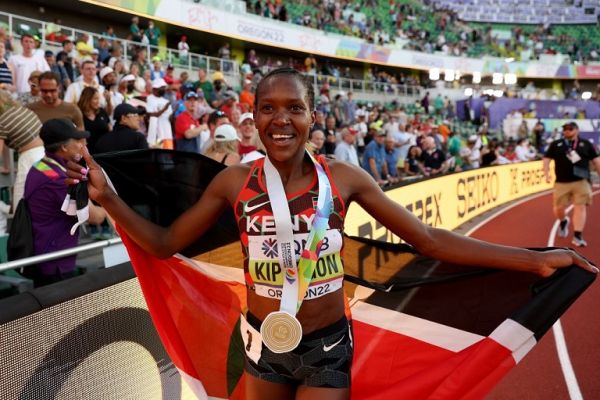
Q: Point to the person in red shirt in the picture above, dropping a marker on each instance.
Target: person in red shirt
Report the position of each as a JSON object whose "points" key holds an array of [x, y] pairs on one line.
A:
{"points": [[187, 129], [230, 102]]}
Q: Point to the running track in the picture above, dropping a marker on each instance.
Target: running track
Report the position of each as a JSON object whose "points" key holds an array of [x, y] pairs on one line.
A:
{"points": [[540, 375]]}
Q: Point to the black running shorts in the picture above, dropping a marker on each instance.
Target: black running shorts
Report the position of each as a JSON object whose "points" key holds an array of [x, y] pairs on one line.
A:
{"points": [[322, 359]]}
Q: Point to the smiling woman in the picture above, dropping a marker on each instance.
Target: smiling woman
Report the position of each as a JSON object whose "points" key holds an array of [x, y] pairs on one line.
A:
{"points": [[290, 209]]}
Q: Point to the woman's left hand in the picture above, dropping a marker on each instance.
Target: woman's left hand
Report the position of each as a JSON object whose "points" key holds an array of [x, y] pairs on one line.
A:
{"points": [[560, 258]]}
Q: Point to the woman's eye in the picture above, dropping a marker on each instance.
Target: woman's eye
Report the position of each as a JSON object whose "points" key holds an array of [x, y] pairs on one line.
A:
{"points": [[267, 107], [297, 107]]}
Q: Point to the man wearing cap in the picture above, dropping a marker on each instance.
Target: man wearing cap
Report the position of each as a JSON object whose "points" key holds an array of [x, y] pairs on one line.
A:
{"points": [[374, 158], [187, 129], [45, 192], [572, 155], [27, 62], [51, 106], [108, 79], [248, 134], [88, 78], [125, 135], [230, 99], [159, 110]]}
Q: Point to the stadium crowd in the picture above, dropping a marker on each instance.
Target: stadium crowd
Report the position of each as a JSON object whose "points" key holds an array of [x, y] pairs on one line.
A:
{"points": [[433, 28]]}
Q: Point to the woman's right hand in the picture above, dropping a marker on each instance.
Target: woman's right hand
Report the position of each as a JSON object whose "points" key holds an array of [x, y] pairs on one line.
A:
{"points": [[98, 187]]}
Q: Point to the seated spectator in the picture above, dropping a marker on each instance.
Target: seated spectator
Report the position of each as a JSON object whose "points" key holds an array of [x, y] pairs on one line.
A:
{"points": [[374, 158], [125, 134], [157, 69], [204, 84], [433, 160], [470, 154], [19, 129], [224, 147], [230, 101], [33, 95], [215, 119], [83, 47], [411, 163], [345, 150], [45, 192], [250, 146], [95, 118], [50, 106], [188, 129]]}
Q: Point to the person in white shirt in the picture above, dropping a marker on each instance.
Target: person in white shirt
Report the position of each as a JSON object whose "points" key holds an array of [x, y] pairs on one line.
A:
{"points": [[184, 50], [524, 151], [88, 78], [24, 64], [159, 110], [345, 150]]}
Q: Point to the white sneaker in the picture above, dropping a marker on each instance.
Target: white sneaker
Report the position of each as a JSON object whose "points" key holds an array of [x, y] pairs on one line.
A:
{"points": [[564, 232], [579, 241]]}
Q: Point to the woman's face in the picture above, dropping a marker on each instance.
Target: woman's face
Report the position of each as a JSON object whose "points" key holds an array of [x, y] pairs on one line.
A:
{"points": [[283, 116], [135, 70], [34, 85], [95, 102]]}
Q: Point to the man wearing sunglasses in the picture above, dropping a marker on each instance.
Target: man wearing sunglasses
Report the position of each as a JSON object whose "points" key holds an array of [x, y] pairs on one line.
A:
{"points": [[572, 156]]}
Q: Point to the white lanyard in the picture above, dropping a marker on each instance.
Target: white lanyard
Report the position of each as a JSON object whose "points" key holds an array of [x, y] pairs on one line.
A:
{"points": [[291, 299]]}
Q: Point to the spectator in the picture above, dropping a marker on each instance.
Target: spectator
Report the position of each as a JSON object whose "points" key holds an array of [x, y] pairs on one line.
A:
{"points": [[204, 84], [125, 134], [220, 87], [58, 69], [411, 163], [316, 140], [524, 151], [188, 129], [216, 119], [19, 129], [50, 106], [362, 130], [433, 160], [523, 132], [7, 75], [88, 78], [34, 93], [349, 109], [134, 29], [65, 59], [345, 149], [95, 119], [103, 51], [247, 97], [184, 50], [425, 102], [152, 33], [471, 156], [224, 147], [158, 108], [157, 69], [230, 102], [109, 32], [26, 63], [374, 158], [45, 192], [83, 47], [108, 79], [250, 144], [391, 159]]}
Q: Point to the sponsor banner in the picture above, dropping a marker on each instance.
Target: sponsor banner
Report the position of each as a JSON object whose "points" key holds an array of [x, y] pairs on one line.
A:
{"points": [[588, 72], [554, 109], [451, 200]]}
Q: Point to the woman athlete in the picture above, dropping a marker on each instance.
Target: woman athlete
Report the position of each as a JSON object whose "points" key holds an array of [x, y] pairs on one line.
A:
{"points": [[319, 367]]}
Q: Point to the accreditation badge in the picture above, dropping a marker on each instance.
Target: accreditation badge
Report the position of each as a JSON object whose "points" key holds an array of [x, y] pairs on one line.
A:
{"points": [[281, 332]]}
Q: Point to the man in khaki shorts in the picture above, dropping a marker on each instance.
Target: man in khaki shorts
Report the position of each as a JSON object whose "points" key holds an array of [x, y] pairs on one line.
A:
{"points": [[572, 156]]}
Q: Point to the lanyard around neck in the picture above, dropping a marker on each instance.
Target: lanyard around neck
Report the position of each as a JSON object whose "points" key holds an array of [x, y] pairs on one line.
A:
{"points": [[297, 277]]}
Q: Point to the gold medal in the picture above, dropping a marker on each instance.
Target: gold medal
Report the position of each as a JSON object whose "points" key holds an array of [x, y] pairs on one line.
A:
{"points": [[281, 332]]}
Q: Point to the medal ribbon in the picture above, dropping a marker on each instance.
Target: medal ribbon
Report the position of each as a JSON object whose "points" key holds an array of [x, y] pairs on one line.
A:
{"points": [[297, 277]]}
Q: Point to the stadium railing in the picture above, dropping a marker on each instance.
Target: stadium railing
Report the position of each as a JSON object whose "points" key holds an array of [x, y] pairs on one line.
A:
{"points": [[18, 25]]}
